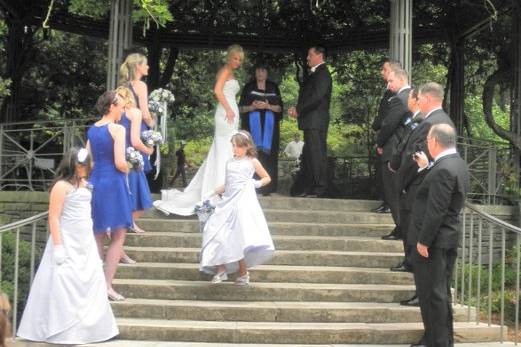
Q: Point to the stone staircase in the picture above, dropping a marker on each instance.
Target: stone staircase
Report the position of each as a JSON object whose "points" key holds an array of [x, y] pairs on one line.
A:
{"points": [[328, 283]]}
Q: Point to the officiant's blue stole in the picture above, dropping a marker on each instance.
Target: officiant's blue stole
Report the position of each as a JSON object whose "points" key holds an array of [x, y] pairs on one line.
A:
{"points": [[262, 139]]}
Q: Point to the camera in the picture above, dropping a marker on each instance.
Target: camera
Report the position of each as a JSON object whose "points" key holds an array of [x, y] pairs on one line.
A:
{"points": [[418, 147]]}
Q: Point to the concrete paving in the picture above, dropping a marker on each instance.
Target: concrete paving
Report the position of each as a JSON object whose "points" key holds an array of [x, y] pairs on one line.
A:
{"points": [[119, 343]]}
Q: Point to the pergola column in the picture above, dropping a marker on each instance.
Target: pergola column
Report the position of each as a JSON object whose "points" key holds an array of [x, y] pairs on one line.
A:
{"points": [[120, 38], [515, 107], [400, 40]]}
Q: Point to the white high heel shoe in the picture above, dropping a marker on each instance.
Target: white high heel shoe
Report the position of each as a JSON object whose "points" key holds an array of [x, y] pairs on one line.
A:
{"points": [[219, 277]]}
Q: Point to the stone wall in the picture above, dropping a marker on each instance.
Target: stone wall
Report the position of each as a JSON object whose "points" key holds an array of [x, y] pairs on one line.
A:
{"points": [[17, 205]]}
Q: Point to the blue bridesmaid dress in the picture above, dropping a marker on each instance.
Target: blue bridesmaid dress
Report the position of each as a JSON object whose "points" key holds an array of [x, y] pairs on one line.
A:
{"points": [[147, 167], [137, 181], [111, 205]]}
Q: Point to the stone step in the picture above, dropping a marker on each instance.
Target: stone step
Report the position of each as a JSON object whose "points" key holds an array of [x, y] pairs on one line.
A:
{"points": [[281, 257], [276, 228], [282, 242], [306, 216], [292, 203], [292, 333], [268, 311], [270, 273], [141, 343], [198, 290]]}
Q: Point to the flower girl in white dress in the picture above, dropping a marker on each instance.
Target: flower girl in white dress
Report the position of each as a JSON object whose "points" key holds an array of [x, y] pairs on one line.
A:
{"points": [[68, 301], [236, 236]]}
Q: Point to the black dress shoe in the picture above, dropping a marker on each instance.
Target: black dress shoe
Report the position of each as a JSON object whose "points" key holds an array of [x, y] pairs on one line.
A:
{"points": [[301, 195], [418, 345], [391, 236], [385, 209], [401, 268], [411, 302], [380, 208]]}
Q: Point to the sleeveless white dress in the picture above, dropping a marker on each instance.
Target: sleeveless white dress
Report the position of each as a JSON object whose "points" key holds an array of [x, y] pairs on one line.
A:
{"points": [[211, 173], [237, 229], [68, 303]]}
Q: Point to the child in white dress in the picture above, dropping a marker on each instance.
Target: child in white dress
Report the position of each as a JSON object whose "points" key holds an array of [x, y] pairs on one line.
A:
{"points": [[68, 301], [236, 236]]}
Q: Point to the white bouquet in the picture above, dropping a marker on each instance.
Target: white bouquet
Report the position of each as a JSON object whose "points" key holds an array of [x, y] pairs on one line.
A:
{"points": [[204, 210], [159, 99], [134, 158], [151, 138]]}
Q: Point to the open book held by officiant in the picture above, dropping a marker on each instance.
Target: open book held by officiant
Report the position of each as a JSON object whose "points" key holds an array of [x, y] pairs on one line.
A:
{"points": [[270, 98]]}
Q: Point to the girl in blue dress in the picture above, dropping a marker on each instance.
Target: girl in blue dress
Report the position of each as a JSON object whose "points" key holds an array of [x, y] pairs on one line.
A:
{"points": [[139, 190], [111, 205]]}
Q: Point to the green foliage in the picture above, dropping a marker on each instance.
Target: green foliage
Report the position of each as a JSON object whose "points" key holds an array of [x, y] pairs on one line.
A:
{"points": [[495, 297], [144, 10], [8, 265]]}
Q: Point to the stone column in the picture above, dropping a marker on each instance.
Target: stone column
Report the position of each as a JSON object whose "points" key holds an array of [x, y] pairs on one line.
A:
{"points": [[400, 40], [120, 38]]}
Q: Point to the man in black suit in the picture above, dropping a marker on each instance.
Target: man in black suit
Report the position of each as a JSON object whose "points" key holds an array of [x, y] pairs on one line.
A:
{"points": [[387, 66], [435, 231], [312, 113], [388, 139]]}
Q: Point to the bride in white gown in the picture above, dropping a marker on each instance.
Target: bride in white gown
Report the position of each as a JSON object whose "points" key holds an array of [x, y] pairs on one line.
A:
{"points": [[212, 171]]}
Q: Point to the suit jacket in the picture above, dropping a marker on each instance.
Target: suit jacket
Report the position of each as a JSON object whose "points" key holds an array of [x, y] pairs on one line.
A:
{"points": [[314, 99], [382, 109], [406, 168], [439, 200], [392, 129]]}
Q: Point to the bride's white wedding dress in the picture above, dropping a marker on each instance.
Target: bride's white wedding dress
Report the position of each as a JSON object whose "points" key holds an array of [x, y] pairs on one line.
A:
{"points": [[211, 173]]}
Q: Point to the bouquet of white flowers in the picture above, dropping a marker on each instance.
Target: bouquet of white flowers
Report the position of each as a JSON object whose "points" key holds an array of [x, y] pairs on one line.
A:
{"points": [[159, 99], [204, 210], [134, 158], [151, 138]]}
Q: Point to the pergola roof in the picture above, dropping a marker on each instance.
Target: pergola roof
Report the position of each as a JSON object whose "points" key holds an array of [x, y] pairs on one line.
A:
{"points": [[269, 25]]}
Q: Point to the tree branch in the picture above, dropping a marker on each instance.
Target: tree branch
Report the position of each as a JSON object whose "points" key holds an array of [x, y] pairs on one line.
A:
{"points": [[488, 101]]}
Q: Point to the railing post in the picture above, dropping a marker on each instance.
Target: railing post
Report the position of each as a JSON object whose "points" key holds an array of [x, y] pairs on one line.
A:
{"points": [[503, 256], [492, 174], [33, 250], [15, 279], [471, 241], [478, 290], [518, 260], [490, 262]]}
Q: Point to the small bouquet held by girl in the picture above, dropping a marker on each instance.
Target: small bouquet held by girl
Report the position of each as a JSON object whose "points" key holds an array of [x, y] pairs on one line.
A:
{"points": [[204, 210], [134, 158], [236, 235]]}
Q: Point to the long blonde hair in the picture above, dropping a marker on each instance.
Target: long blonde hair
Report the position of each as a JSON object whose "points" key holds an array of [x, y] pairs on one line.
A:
{"points": [[126, 95], [127, 71]]}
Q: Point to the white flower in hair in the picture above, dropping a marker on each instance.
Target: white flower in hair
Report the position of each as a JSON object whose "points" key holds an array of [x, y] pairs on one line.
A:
{"points": [[83, 153]]}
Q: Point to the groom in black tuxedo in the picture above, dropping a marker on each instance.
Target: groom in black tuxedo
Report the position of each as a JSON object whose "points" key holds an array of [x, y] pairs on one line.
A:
{"points": [[312, 113], [435, 232]]}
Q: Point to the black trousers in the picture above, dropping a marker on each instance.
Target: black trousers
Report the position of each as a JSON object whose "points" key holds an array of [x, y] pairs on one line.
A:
{"points": [[405, 221], [378, 184], [180, 171], [432, 276], [314, 162], [392, 196]]}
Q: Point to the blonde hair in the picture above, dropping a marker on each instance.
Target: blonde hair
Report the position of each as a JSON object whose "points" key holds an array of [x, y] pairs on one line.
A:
{"points": [[234, 49], [5, 327], [126, 95], [127, 71], [243, 139]]}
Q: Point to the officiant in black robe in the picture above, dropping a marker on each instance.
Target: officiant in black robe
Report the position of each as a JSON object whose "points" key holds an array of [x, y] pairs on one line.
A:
{"points": [[261, 112]]}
